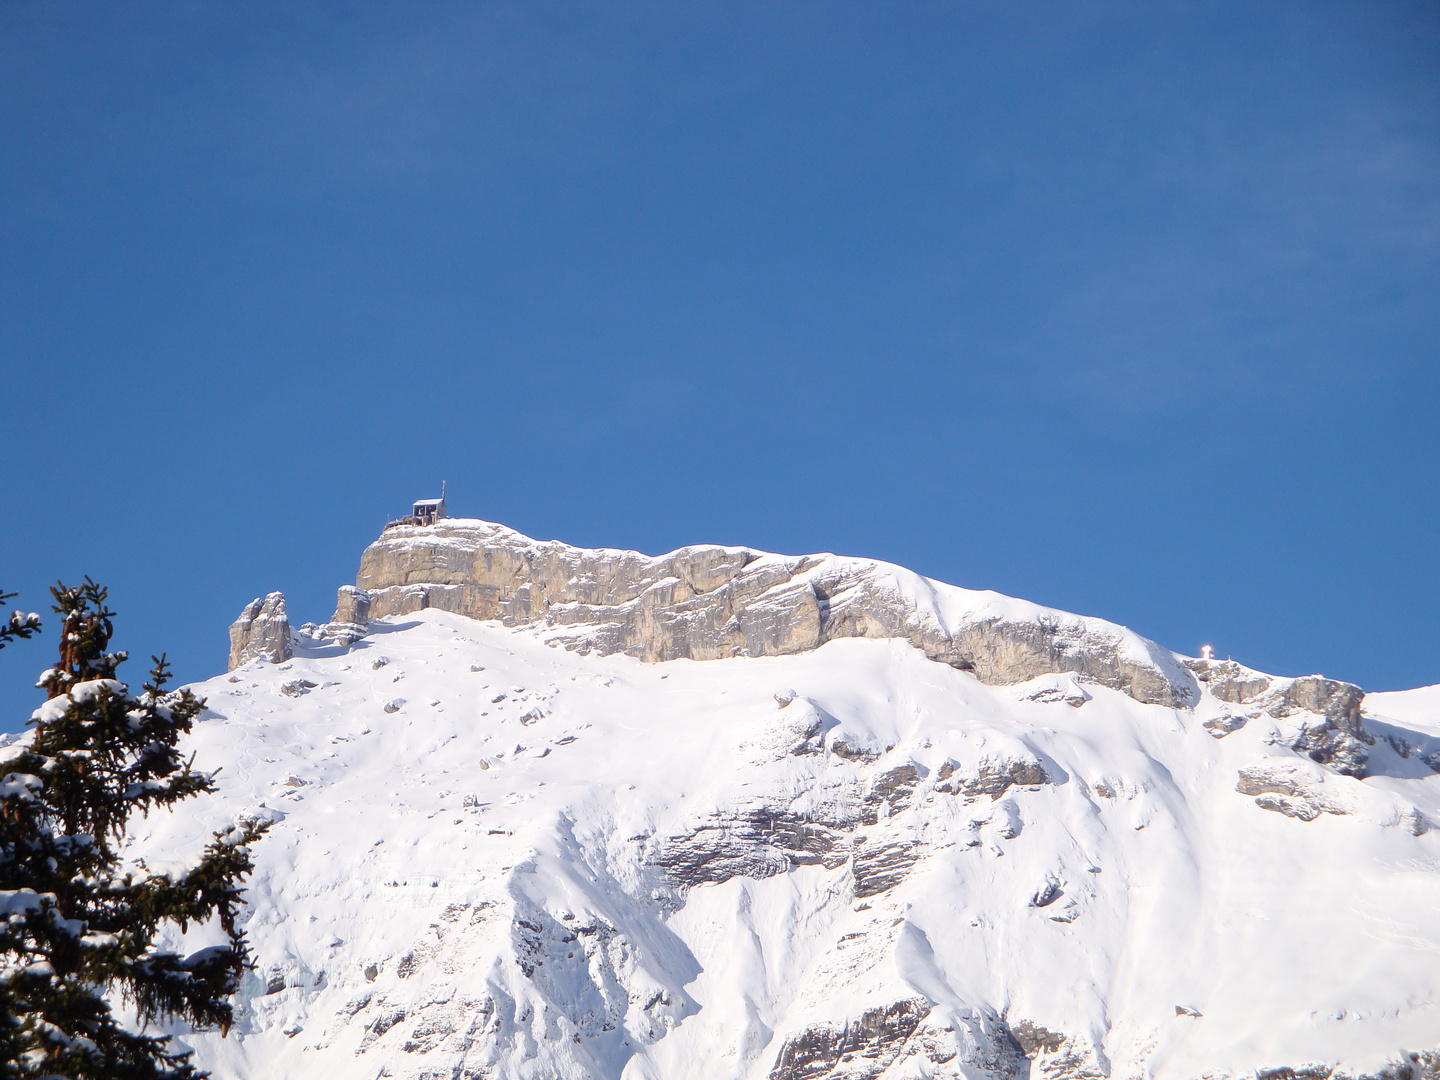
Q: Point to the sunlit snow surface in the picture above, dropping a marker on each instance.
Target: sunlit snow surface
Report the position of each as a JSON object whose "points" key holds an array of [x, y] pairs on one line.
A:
{"points": [[469, 885]]}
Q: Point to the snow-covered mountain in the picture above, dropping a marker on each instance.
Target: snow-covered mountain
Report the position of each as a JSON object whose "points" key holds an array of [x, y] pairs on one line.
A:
{"points": [[544, 812]]}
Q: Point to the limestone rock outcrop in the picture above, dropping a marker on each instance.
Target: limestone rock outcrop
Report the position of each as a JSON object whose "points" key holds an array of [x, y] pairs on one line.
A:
{"points": [[262, 632], [1323, 714], [1289, 787], [868, 1043], [710, 602]]}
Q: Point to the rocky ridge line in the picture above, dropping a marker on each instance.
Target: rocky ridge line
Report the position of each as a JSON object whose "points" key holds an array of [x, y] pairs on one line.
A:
{"points": [[710, 602]]}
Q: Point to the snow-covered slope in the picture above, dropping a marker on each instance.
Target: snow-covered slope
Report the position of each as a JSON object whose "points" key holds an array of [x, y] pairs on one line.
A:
{"points": [[497, 857], [1418, 710]]}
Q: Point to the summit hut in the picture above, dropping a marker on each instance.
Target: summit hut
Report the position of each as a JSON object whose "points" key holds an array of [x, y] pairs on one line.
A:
{"points": [[428, 511], [425, 512]]}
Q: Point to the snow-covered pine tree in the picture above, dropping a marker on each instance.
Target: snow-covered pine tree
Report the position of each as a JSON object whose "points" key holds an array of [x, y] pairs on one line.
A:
{"points": [[19, 625], [77, 924]]}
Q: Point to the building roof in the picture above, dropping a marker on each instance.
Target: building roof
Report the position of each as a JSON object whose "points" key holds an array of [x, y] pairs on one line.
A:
{"points": [[428, 502]]}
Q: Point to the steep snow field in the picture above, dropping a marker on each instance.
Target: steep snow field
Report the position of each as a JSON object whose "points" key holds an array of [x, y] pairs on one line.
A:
{"points": [[494, 857], [1418, 710]]}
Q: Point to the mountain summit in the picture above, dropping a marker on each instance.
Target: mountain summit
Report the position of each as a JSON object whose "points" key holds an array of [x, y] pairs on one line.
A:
{"points": [[551, 812]]}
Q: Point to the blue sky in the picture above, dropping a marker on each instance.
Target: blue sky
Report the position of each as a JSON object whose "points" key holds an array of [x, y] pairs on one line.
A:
{"points": [[1125, 308]]}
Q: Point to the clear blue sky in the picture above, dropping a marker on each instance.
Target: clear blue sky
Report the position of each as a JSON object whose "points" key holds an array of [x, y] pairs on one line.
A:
{"points": [[1126, 308]]}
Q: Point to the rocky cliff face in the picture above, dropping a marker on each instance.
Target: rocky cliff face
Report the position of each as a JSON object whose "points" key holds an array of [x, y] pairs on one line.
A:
{"points": [[262, 632], [707, 603], [1323, 714]]}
